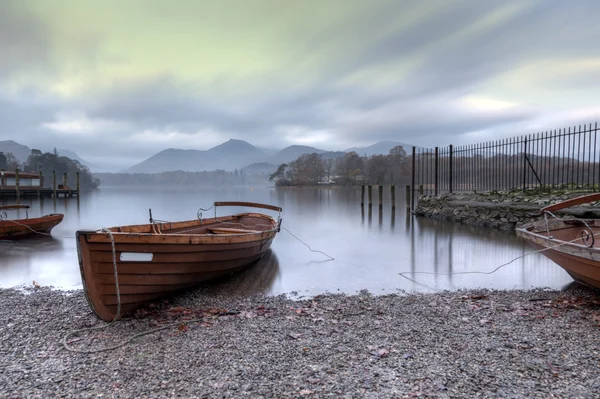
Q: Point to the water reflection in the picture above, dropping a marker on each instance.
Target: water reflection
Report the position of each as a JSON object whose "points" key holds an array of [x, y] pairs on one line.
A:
{"points": [[368, 254], [257, 278], [17, 264]]}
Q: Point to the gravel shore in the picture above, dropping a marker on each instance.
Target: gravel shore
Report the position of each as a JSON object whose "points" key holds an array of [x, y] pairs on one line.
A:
{"points": [[513, 344]]}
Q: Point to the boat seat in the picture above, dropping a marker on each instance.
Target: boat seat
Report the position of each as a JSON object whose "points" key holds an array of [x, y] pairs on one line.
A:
{"points": [[224, 230]]}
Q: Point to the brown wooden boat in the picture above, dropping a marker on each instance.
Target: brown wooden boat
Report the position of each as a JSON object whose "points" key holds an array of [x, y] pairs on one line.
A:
{"points": [[156, 259], [20, 228], [571, 243]]}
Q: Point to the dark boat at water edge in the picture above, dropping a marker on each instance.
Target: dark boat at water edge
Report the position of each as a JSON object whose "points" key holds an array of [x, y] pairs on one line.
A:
{"points": [[21, 228]]}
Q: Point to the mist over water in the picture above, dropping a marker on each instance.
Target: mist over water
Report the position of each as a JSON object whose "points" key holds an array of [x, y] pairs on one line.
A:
{"points": [[370, 247]]}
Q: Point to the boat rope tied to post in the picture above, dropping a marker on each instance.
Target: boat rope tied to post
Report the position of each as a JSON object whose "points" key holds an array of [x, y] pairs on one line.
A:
{"points": [[584, 239]]}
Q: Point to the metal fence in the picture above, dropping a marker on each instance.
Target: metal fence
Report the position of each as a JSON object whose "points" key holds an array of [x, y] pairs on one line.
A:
{"points": [[563, 157]]}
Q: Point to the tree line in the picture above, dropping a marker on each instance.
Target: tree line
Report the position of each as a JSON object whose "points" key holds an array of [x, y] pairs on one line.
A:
{"points": [[49, 162], [349, 169]]}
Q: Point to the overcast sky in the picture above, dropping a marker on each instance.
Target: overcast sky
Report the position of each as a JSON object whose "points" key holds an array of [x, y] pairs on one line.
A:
{"points": [[118, 81]]}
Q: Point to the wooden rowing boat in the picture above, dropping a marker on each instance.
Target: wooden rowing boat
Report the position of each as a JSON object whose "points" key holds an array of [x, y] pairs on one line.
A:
{"points": [[20, 228], [570, 243], [153, 260]]}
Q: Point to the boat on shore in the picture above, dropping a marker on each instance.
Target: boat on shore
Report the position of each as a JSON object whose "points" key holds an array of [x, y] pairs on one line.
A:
{"points": [[11, 229], [124, 267], [570, 243]]}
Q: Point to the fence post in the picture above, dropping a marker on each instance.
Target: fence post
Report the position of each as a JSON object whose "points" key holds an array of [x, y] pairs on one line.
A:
{"points": [[525, 164], [450, 169], [435, 172], [412, 184]]}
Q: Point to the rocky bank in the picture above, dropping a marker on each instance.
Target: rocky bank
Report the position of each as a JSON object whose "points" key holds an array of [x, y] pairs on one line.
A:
{"points": [[499, 209]]}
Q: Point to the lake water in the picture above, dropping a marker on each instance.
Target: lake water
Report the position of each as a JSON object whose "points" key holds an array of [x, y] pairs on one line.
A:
{"points": [[370, 249]]}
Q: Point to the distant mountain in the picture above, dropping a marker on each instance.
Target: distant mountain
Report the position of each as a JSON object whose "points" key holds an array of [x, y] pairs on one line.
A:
{"points": [[270, 151], [20, 151], [72, 155], [239, 154], [233, 154], [291, 153], [382, 147]]}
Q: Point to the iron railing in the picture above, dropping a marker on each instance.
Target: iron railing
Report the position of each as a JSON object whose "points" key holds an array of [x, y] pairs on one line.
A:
{"points": [[563, 157]]}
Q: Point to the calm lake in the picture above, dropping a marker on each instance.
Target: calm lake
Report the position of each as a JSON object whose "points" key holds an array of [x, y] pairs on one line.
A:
{"points": [[369, 249]]}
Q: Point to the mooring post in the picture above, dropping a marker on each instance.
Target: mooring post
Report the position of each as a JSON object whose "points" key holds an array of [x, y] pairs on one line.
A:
{"points": [[77, 182], [17, 183], [393, 193], [408, 202], [41, 184], [54, 183], [380, 195], [420, 190], [370, 195], [362, 196], [65, 184]]}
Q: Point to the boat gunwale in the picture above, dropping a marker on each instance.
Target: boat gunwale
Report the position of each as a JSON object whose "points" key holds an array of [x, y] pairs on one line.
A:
{"points": [[526, 233]]}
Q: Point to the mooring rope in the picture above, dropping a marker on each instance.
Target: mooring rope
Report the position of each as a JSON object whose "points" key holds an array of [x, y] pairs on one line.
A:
{"points": [[403, 274], [308, 246]]}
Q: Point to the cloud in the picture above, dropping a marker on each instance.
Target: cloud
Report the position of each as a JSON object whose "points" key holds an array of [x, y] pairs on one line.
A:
{"points": [[325, 74], [24, 40]]}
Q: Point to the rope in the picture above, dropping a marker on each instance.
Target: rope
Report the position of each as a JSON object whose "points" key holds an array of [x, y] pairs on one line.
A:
{"points": [[118, 313], [502, 265], [308, 246]]}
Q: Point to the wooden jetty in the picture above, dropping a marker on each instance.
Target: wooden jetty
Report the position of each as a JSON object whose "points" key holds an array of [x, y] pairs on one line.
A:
{"points": [[26, 185]]}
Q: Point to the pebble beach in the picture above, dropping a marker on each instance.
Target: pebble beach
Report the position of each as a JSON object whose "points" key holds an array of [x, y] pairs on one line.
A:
{"points": [[467, 344]]}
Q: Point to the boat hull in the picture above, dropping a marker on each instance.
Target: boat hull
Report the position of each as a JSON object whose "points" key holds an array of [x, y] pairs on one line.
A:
{"points": [[22, 228], [153, 261], [579, 260]]}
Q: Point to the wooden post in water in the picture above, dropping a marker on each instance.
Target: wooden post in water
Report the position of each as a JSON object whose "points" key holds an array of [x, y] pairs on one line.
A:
{"points": [[393, 193], [17, 183], [77, 182], [420, 190], [54, 183], [65, 182], [370, 195], [408, 203], [362, 195], [41, 184], [380, 194]]}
